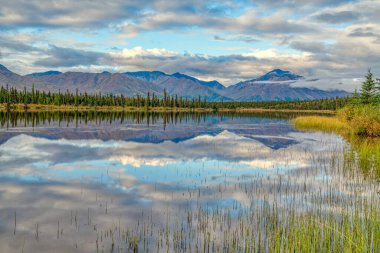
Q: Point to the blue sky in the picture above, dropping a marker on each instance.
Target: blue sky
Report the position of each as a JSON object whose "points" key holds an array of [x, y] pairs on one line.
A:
{"points": [[334, 41]]}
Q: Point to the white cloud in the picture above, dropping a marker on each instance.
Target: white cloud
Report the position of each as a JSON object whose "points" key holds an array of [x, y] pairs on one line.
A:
{"points": [[141, 52]]}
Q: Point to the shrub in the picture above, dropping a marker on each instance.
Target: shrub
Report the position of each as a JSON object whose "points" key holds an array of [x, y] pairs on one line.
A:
{"points": [[364, 120]]}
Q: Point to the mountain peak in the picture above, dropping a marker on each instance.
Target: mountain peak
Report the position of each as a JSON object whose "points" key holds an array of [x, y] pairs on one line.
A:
{"points": [[278, 75], [279, 71], [180, 75]]}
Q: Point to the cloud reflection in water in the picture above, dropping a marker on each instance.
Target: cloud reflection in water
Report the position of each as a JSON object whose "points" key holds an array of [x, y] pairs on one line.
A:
{"points": [[50, 180]]}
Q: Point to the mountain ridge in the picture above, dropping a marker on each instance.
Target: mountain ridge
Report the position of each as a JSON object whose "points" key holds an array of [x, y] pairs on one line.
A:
{"points": [[273, 85]]}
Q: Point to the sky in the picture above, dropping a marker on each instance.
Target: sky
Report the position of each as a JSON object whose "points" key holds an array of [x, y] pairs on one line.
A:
{"points": [[228, 40]]}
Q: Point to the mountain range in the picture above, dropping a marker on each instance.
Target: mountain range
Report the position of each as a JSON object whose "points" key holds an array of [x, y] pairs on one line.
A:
{"points": [[274, 85]]}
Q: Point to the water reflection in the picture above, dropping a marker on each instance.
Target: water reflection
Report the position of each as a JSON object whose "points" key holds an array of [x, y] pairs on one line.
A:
{"points": [[83, 186], [146, 127]]}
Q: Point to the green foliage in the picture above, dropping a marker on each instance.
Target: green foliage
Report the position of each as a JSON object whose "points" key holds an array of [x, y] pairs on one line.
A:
{"points": [[355, 100], [368, 91], [363, 119]]}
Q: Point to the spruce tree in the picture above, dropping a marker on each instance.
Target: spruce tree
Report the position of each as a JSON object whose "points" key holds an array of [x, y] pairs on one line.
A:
{"points": [[377, 90], [368, 89]]}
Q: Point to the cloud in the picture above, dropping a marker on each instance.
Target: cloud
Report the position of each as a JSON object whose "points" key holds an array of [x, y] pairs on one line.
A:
{"points": [[302, 3], [338, 17], [141, 52], [69, 57], [96, 13], [16, 45], [70, 13], [247, 39], [250, 22], [366, 31], [313, 47]]}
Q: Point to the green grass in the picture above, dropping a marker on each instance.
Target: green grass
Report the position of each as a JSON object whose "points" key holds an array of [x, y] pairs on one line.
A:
{"points": [[364, 153]]}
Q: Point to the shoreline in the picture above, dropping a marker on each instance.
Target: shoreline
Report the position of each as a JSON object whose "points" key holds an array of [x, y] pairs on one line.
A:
{"points": [[43, 108]]}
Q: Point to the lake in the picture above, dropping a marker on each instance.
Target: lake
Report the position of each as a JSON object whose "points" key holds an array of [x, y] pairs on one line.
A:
{"points": [[179, 182]]}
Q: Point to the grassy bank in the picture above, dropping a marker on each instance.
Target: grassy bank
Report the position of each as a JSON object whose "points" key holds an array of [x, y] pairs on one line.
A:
{"points": [[352, 120]]}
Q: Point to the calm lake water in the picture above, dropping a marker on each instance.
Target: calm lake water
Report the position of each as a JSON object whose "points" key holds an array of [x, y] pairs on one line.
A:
{"points": [[107, 182]]}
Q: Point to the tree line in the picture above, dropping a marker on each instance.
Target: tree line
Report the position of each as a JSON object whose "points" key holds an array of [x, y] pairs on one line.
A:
{"points": [[11, 96], [14, 96]]}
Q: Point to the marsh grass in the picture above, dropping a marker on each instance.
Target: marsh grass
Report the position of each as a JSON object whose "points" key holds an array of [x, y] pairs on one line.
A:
{"points": [[322, 123], [360, 126], [364, 153]]}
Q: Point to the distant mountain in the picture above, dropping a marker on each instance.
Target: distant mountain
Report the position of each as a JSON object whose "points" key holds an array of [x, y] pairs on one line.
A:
{"points": [[278, 75], [182, 85], [211, 84], [274, 85], [47, 73], [99, 82], [253, 91], [152, 76], [86, 82]]}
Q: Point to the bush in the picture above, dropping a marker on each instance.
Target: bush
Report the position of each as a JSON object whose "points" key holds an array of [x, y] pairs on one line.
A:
{"points": [[364, 120]]}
